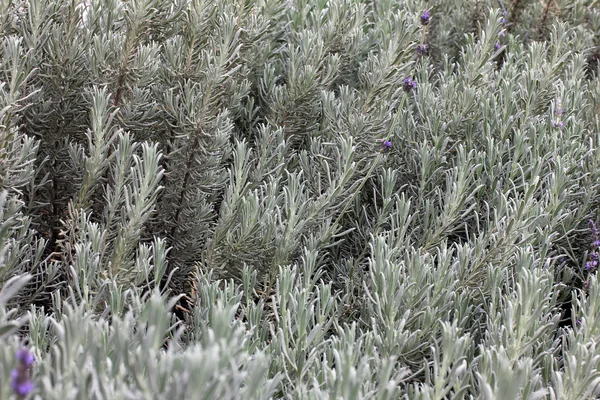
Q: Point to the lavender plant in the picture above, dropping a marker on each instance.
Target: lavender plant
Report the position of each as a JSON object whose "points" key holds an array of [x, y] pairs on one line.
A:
{"points": [[299, 200]]}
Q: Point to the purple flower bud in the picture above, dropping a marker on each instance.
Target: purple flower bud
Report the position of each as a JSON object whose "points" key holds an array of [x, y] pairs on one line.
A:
{"points": [[422, 49], [497, 45], [386, 146], [588, 265], [425, 17], [22, 389], [25, 357], [20, 377], [558, 124], [408, 84]]}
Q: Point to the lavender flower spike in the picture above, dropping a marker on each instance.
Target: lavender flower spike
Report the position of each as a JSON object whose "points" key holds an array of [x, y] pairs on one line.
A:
{"points": [[422, 49], [408, 84], [425, 17], [386, 146], [20, 377]]}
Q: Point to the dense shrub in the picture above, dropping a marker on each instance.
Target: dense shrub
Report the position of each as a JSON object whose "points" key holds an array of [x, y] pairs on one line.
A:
{"points": [[299, 199]]}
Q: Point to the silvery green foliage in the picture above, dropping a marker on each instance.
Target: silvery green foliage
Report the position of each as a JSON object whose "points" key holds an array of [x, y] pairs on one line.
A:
{"points": [[196, 201]]}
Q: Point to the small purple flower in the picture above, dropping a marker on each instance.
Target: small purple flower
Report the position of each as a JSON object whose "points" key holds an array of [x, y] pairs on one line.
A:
{"points": [[497, 45], [425, 17], [25, 357], [592, 265], [408, 84], [577, 321], [422, 49], [20, 377], [558, 111], [21, 389], [558, 124], [386, 146]]}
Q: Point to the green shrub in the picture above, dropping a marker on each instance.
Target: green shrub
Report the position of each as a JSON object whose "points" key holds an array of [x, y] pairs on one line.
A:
{"points": [[303, 200]]}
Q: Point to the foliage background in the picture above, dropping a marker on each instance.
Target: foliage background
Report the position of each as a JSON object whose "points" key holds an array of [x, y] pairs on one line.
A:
{"points": [[197, 204]]}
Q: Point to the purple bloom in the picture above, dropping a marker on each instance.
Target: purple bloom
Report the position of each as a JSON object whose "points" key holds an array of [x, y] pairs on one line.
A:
{"points": [[425, 17], [21, 389], [20, 377], [408, 84], [386, 146], [422, 49], [558, 111], [558, 124], [497, 45], [25, 357], [592, 265]]}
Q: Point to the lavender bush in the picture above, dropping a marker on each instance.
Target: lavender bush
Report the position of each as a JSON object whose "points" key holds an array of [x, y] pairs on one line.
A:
{"points": [[273, 199]]}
